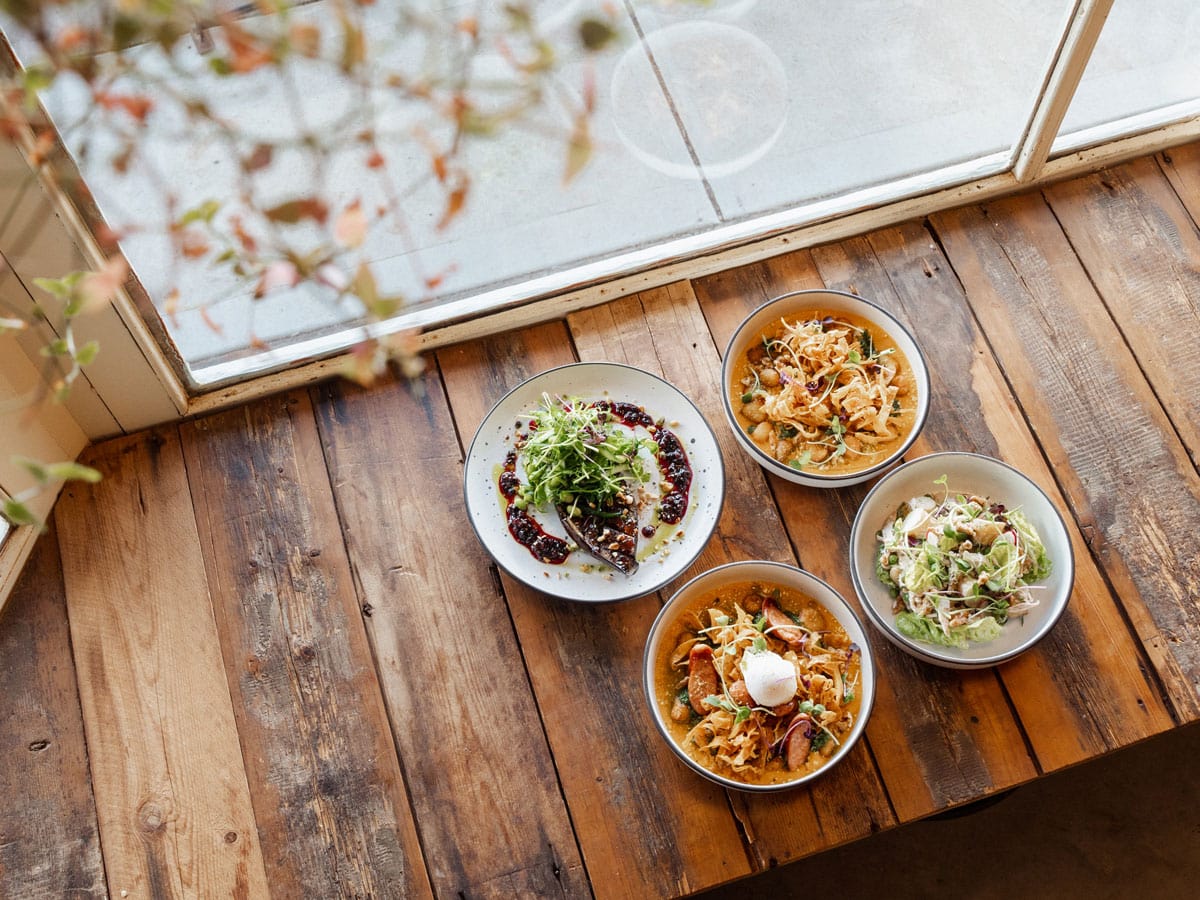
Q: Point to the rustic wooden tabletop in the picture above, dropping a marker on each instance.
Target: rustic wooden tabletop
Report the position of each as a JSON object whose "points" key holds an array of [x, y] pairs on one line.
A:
{"points": [[267, 656]]}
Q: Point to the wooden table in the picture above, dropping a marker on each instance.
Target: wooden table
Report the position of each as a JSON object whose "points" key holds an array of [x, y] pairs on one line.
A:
{"points": [[267, 656]]}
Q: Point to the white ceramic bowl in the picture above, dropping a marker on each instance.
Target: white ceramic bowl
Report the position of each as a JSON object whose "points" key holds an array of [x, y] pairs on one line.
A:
{"points": [[787, 306], [965, 473], [665, 627]]}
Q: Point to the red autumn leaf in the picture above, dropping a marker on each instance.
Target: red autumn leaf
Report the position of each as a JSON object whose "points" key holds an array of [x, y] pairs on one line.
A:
{"points": [[42, 148], [454, 202], [305, 37], [245, 52], [208, 320], [171, 306], [259, 158], [193, 246], [375, 160], [276, 275], [249, 244], [589, 90], [439, 167], [469, 26], [136, 105], [294, 210], [350, 228], [71, 39]]}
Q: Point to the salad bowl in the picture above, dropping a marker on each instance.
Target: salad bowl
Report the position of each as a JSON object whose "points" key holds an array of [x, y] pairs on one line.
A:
{"points": [[898, 549]]}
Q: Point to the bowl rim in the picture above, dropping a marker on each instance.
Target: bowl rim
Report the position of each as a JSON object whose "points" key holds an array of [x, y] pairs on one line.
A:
{"points": [[920, 369], [869, 668], [930, 653]]}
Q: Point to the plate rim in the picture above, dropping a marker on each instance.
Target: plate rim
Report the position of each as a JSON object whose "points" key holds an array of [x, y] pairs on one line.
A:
{"points": [[658, 583]]}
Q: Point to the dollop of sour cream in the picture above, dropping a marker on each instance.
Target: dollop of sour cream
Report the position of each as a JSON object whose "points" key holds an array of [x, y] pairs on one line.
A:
{"points": [[770, 679]]}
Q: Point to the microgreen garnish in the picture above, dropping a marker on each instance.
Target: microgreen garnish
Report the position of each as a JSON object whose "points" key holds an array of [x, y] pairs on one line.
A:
{"points": [[575, 456]]}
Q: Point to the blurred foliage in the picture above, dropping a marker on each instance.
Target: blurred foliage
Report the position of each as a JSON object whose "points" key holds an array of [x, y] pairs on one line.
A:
{"points": [[153, 67]]}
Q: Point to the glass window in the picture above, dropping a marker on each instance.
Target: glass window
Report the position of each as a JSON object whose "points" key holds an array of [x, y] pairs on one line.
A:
{"points": [[447, 171], [1144, 72]]}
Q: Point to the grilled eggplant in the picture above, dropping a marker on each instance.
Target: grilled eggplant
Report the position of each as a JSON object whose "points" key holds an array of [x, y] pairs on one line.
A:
{"points": [[609, 532]]}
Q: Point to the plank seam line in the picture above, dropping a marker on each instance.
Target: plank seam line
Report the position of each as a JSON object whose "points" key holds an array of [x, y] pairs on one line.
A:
{"points": [[314, 396], [83, 732], [525, 662], [1154, 679]]}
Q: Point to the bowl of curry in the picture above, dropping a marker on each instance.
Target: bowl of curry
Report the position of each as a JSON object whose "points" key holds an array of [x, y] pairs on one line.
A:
{"points": [[824, 388], [759, 676]]}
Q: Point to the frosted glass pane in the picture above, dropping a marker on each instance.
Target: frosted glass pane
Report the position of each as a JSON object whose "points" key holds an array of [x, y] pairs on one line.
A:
{"points": [[709, 117], [1147, 58]]}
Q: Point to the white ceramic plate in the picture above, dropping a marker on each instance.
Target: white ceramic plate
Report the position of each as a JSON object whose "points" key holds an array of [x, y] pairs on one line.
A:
{"points": [[965, 473], [582, 577]]}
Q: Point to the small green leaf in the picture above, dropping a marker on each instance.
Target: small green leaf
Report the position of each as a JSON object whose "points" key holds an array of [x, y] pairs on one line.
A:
{"points": [[86, 354], [760, 644], [802, 460], [59, 287], [743, 714], [596, 34], [579, 149], [56, 348], [17, 513], [220, 66], [39, 472], [202, 213], [69, 471]]}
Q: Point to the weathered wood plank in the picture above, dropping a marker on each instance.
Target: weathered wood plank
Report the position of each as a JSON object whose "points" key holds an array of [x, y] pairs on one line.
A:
{"points": [[172, 800], [49, 841], [646, 826], [327, 787], [940, 739], [492, 817], [664, 331], [1141, 250], [1126, 477]]}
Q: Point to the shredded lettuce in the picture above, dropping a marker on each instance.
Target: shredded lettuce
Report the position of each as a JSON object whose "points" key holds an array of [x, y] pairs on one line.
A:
{"points": [[960, 566], [1043, 566]]}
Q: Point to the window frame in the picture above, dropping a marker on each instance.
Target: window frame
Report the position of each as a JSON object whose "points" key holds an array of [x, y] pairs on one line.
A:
{"points": [[146, 383]]}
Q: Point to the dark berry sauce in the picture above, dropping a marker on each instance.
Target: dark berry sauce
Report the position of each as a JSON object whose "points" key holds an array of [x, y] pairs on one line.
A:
{"points": [[525, 531], [672, 463]]}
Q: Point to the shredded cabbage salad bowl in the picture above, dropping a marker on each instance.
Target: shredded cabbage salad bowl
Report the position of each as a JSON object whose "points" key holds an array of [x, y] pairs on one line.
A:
{"points": [[961, 560]]}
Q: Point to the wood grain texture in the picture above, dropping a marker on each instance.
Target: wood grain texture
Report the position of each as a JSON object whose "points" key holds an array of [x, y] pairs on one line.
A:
{"points": [[483, 784], [646, 825], [664, 331], [1119, 463], [328, 792], [1141, 250], [49, 840], [960, 740], [171, 793]]}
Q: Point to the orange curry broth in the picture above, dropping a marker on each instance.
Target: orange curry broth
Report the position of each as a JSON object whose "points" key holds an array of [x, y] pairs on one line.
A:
{"points": [[850, 462], [669, 680]]}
